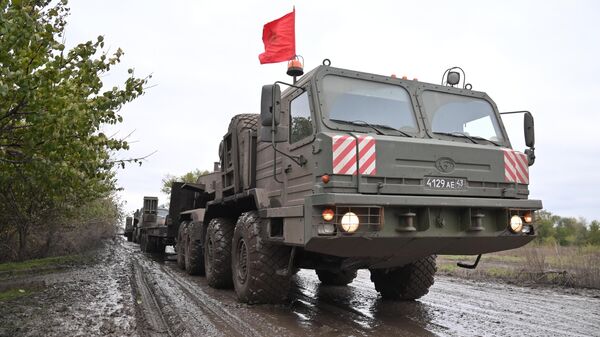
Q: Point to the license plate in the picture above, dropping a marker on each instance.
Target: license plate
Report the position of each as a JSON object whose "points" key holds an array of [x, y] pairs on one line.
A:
{"points": [[443, 183]]}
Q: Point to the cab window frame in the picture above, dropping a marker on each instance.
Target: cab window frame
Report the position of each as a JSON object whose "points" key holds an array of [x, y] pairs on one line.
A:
{"points": [[291, 98]]}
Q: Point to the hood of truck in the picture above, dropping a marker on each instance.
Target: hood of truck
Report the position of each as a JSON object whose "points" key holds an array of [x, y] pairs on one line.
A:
{"points": [[382, 164]]}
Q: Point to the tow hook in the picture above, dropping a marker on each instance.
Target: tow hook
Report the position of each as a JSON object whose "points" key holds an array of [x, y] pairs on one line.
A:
{"points": [[469, 266]]}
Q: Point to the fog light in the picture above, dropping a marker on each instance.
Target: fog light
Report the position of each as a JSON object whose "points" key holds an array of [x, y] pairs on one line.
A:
{"points": [[326, 229], [528, 217], [516, 224], [349, 222], [328, 214]]}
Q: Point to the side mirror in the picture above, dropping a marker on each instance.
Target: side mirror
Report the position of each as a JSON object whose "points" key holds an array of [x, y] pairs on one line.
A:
{"points": [[270, 105], [270, 112], [529, 130]]}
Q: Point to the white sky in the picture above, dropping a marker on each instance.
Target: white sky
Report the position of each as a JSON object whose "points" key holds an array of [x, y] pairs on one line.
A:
{"points": [[542, 56]]}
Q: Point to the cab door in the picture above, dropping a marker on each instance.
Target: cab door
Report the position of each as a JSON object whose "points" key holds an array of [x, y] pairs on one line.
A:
{"points": [[298, 178]]}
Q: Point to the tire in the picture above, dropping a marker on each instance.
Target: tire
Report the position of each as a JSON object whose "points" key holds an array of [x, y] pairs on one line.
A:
{"points": [[336, 278], [159, 247], [255, 264], [217, 253], [144, 243], [407, 282], [180, 245], [194, 258], [129, 237]]}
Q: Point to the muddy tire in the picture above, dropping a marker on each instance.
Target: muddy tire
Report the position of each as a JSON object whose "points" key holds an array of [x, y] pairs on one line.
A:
{"points": [[405, 283], [159, 247], [336, 278], [144, 243], [217, 252], [194, 258], [255, 264], [180, 246]]}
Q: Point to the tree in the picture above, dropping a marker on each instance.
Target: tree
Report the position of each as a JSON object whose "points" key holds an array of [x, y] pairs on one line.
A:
{"points": [[53, 105], [190, 177]]}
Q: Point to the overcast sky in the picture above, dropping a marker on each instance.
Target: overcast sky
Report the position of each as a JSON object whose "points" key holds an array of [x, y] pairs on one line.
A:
{"points": [[542, 56]]}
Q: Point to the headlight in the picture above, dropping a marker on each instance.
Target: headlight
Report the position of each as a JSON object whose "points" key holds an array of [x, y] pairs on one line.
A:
{"points": [[349, 222], [516, 224]]}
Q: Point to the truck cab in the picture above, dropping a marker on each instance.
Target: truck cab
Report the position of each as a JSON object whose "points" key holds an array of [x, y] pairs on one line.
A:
{"points": [[381, 170]]}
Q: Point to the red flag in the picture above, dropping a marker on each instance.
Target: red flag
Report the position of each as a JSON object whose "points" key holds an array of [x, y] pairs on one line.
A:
{"points": [[279, 37]]}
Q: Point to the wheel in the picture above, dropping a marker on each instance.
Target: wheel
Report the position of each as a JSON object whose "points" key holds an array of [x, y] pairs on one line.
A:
{"points": [[217, 252], [407, 282], [144, 243], [336, 278], [255, 264], [129, 237], [194, 255], [159, 247], [180, 245]]}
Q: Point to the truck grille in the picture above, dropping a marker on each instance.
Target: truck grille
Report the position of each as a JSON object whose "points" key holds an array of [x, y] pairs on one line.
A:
{"points": [[370, 220]]}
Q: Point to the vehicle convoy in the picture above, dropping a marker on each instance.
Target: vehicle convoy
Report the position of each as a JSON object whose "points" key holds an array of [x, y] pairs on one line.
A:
{"points": [[347, 170], [128, 233], [151, 229]]}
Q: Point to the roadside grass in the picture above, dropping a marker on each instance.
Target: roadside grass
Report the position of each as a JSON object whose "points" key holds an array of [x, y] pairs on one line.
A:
{"points": [[39, 263], [39, 266], [533, 264], [11, 294]]}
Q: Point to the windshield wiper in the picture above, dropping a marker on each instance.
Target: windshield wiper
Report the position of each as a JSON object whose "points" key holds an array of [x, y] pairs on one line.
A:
{"points": [[372, 126], [487, 140], [463, 135]]}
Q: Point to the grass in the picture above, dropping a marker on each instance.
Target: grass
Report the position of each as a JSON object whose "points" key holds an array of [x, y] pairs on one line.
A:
{"points": [[14, 293], [44, 265], [39, 263], [534, 264]]}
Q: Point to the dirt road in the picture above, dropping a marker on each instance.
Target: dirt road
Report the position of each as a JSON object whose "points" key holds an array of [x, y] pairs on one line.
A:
{"points": [[130, 293]]}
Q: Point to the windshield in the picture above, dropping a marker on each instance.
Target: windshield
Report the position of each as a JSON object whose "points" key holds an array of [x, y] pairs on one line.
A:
{"points": [[163, 212], [379, 104], [461, 115]]}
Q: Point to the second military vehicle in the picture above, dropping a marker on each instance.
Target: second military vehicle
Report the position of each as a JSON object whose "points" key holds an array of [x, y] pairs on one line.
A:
{"points": [[151, 230], [347, 170]]}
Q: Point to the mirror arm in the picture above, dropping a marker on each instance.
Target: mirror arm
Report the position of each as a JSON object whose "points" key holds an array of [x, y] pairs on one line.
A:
{"points": [[514, 112], [290, 85]]}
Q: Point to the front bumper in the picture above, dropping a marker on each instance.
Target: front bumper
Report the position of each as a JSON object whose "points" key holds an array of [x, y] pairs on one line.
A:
{"points": [[417, 225]]}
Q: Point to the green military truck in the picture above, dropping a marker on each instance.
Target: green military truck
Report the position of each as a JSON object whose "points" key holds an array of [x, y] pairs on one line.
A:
{"points": [[347, 170], [151, 227], [128, 233]]}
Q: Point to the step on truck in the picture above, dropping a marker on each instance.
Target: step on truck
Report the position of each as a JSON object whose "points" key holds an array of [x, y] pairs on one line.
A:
{"points": [[346, 170], [152, 227]]}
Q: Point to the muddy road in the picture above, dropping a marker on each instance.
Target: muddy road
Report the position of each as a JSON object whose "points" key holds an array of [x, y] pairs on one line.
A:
{"points": [[130, 293]]}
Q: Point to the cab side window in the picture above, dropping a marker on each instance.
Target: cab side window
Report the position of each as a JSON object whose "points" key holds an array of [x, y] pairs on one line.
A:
{"points": [[301, 121]]}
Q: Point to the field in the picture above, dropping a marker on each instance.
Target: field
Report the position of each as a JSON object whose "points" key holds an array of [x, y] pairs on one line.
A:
{"points": [[533, 264]]}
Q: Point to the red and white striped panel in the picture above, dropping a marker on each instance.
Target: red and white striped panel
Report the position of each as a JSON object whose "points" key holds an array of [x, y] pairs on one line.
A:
{"points": [[367, 155], [516, 167], [344, 155]]}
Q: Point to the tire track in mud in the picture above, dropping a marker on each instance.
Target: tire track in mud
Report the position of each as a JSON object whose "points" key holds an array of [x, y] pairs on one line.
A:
{"points": [[147, 306]]}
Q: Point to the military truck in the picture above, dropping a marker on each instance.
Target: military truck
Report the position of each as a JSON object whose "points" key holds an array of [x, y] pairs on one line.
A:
{"points": [[152, 228], [128, 233], [347, 170]]}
